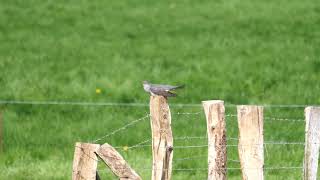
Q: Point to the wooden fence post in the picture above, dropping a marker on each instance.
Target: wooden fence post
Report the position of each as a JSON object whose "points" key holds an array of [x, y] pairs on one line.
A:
{"points": [[250, 122], [217, 149], [85, 161], [312, 138], [162, 140], [116, 163]]}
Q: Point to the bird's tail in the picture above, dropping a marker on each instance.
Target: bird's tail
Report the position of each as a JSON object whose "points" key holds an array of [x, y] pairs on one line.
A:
{"points": [[179, 87]]}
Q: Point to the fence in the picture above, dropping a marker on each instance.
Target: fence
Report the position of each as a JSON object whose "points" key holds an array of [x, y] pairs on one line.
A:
{"points": [[251, 144], [190, 117]]}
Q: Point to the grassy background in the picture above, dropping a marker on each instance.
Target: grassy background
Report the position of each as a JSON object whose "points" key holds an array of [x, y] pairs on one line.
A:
{"points": [[244, 52]]}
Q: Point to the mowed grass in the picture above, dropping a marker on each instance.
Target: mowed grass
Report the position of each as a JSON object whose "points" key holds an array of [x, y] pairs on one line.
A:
{"points": [[243, 52]]}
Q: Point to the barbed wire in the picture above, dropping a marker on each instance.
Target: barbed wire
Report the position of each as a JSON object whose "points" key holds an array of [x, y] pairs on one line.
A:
{"points": [[266, 168], [206, 169], [234, 162], [190, 158], [284, 119], [122, 128], [83, 103], [75, 103], [188, 138], [273, 118], [141, 104], [282, 168], [228, 169], [188, 113], [200, 157], [145, 117], [139, 144], [234, 115], [95, 158], [142, 144]]}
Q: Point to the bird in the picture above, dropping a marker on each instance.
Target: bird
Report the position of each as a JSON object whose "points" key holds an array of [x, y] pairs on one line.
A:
{"points": [[161, 89]]}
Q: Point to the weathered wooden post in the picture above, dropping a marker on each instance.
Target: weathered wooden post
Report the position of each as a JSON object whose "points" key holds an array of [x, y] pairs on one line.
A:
{"points": [[250, 147], [85, 161], [116, 163], [162, 140], [312, 138], [217, 149]]}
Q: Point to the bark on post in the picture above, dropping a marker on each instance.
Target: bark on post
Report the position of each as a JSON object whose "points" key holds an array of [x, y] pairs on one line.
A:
{"points": [[312, 138], [116, 163], [162, 140], [217, 149], [250, 122], [85, 161]]}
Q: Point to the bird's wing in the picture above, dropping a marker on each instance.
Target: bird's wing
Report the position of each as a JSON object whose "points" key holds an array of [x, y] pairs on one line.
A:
{"points": [[161, 91], [165, 86]]}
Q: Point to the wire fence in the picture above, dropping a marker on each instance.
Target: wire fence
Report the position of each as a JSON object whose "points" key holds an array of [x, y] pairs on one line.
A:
{"points": [[83, 103], [179, 113], [196, 169], [147, 142]]}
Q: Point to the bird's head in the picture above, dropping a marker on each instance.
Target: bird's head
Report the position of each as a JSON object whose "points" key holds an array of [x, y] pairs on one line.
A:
{"points": [[146, 86]]}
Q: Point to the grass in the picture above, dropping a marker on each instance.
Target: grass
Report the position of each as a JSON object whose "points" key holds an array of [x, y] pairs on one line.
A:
{"points": [[244, 52]]}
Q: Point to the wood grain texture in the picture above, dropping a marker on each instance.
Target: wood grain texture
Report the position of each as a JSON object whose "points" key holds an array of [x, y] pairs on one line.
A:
{"points": [[312, 138], [85, 161], [250, 122], [162, 140], [217, 149], [116, 163]]}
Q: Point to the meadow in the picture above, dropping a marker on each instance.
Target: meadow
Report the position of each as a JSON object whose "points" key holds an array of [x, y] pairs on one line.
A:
{"points": [[242, 52]]}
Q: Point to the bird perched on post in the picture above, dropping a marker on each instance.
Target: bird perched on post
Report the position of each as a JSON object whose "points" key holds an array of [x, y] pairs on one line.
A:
{"points": [[160, 89]]}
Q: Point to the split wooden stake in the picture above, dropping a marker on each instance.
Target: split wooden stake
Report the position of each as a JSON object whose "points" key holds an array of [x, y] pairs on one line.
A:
{"points": [[116, 163], [312, 138], [217, 149], [162, 140], [250, 122], [85, 161]]}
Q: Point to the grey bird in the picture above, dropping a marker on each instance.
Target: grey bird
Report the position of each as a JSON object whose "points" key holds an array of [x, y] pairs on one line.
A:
{"points": [[160, 89]]}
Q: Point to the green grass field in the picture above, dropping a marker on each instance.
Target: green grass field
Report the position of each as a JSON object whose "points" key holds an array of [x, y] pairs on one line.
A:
{"points": [[243, 52]]}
